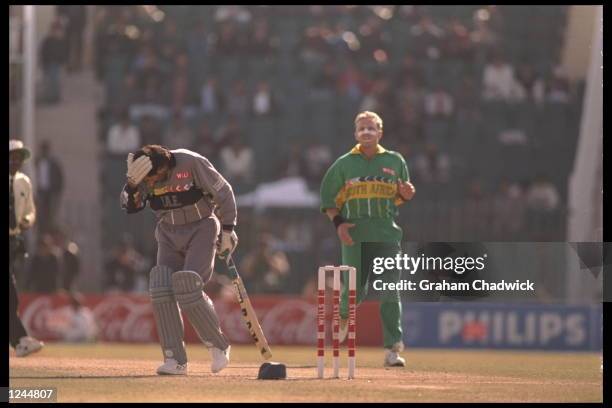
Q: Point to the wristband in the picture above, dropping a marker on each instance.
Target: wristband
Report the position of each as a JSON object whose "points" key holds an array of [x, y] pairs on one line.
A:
{"points": [[228, 227], [337, 220]]}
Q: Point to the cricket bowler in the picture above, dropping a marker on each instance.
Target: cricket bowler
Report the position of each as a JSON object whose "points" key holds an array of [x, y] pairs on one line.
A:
{"points": [[184, 190], [361, 193]]}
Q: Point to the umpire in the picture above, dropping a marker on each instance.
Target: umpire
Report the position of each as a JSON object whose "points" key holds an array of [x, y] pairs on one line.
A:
{"points": [[22, 215]]}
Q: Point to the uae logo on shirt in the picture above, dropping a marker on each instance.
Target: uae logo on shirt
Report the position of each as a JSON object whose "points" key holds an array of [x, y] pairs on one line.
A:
{"points": [[388, 171]]}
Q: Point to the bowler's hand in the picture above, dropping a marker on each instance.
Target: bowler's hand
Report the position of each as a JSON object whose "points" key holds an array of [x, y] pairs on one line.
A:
{"points": [[405, 189], [343, 233]]}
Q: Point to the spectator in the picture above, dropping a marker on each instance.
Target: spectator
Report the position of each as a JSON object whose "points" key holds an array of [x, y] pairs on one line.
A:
{"points": [[45, 267], [529, 85], [170, 42], [229, 42], [543, 205], [325, 80], [149, 76], [264, 268], [352, 82], [467, 100], [228, 132], [432, 166], [409, 14], [80, 323], [408, 71], [439, 103], [260, 44], [68, 254], [542, 195], [179, 135], [74, 18], [149, 129], [124, 267], [410, 109], [317, 159], [123, 137], [509, 209], [427, 38], [180, 82], [264, 103], [371, 38], [476, 213], [483, 36], [205, 142], [312, 47], [238, 14], [377, 98], [197, 45], [294, 165], [50, 185], [238, 164], [52, 57], [238, 99], [212, 99], [512, 137], [458, 43], [498, 80], [558, 89]]}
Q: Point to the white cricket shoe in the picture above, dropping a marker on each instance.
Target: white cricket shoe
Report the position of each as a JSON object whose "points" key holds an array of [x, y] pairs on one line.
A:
{"points": [[172, 367], [220, 358], [343, 332], [28, 345], [392, 357]]}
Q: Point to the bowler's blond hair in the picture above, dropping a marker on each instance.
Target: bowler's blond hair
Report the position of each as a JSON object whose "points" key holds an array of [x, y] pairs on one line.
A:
{"points": [[370, 115]]}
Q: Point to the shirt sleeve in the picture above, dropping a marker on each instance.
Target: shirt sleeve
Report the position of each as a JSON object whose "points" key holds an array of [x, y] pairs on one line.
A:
{"points": [[209, 179], [29, 214], [331, 185], [134, 199], [404, 176]]}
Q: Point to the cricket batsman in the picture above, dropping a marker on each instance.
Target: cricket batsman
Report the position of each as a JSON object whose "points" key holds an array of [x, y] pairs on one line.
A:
{"points": [[184, 190], [361, 193]]}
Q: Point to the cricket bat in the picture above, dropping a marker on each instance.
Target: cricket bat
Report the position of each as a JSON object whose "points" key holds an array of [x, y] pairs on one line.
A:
{"points": [[248, 313]]}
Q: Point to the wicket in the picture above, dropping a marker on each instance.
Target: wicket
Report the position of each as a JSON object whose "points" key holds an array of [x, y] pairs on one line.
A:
{"points": [[352, 320]]}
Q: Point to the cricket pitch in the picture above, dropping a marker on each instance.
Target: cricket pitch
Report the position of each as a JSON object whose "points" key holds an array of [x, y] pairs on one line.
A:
{"points": [[110, 372]]}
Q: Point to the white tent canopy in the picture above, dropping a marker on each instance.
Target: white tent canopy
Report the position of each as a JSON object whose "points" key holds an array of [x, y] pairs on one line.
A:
{"points": [[288, 192]]}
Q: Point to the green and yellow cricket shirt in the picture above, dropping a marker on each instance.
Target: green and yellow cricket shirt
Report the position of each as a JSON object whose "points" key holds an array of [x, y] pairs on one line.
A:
{"points": [[364, 188]]}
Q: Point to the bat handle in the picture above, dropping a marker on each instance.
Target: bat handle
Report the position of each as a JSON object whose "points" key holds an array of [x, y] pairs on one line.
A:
{"points": [[231, 266]]}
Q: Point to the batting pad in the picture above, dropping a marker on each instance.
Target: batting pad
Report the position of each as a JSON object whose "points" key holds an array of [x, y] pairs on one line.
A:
{"points": [[167, 316], [199, 308]]}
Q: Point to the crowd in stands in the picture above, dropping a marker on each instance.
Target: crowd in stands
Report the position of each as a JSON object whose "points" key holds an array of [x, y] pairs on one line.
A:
{"points": [[54, 264], [472, 96]]}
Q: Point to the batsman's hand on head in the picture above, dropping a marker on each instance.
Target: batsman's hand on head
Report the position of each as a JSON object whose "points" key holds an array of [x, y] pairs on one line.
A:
{"points": [[137, 169], [227, 243], [343, 233]]}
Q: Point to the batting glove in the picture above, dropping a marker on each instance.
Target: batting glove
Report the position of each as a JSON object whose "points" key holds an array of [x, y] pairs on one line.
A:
{"points": [[137, 169], [227, 243]]}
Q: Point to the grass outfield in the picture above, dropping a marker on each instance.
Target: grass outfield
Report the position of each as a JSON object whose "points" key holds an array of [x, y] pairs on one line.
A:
{"points": [[126, 373]]}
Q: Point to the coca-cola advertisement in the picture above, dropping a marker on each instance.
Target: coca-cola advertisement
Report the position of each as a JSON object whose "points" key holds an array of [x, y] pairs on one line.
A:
{"points": [[129, 318]]}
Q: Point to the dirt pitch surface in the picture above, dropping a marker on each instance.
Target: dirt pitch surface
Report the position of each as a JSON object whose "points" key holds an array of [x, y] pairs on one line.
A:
{"points": [[126, 373]]}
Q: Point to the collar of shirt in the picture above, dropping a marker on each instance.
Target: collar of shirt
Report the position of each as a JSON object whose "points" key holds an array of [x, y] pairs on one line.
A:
{"points": [[356, 150]]}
